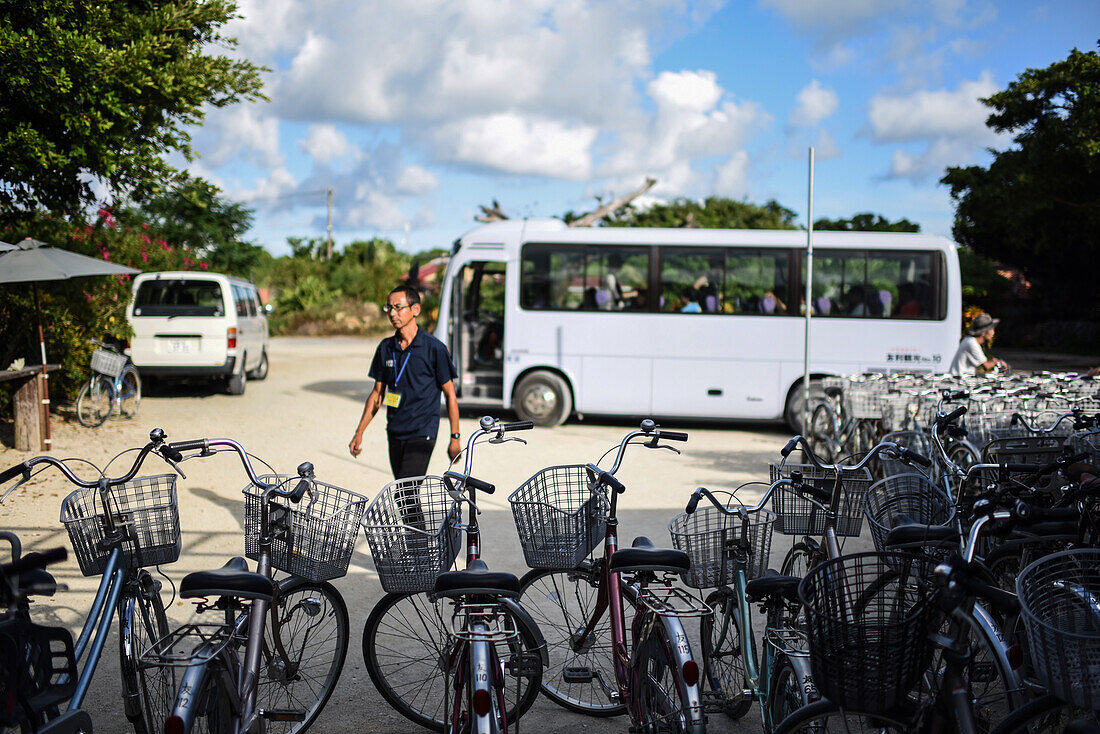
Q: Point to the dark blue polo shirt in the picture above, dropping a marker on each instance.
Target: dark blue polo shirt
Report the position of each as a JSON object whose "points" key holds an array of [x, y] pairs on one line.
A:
{"points": [[418, 374]]}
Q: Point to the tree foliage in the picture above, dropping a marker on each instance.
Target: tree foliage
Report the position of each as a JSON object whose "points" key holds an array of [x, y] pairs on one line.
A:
{"points": [[866, 222], [713, 213], [81, 308], [196, 216], [103, 90], [1037, 205]]}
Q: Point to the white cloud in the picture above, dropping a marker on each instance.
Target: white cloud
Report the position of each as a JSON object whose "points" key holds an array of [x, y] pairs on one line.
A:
{"points": [[324, 143], [825, 148], [416, 180], [241, 131], [374, 209], [513, 143], [731, 178], [950, 122], [697, 91], [814, 104], [934, 113], [833, 18]]}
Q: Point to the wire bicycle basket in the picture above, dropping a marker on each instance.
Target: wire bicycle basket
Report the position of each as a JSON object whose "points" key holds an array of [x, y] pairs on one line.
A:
{"points": [[109, 363], [912, 496], [1060, 605], [868, 616], [313, 539], [560, 518], [712, 540], [796, 515], [143, 509], [413, 530]]}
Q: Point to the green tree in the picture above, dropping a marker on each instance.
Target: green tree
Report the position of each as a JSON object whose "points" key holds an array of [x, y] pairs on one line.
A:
{"points": [[103, 90], [1037, 205], [866, 222], [194, 215], [713, 213]]}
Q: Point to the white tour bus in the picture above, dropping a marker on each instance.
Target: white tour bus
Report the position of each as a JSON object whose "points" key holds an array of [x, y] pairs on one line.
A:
{"points": [[697, 323]]}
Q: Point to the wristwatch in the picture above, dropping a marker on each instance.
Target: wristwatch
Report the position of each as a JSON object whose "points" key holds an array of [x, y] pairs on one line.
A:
{"points": [[456, 436]]}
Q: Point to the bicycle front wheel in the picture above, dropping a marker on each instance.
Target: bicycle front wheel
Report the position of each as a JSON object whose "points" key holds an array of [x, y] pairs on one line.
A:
{"points": [[562, 604], [723, 656], [148, 691], [93, 405], [1046, 714], [823, 433], [309, 622], [825, 717], [129, 393]]}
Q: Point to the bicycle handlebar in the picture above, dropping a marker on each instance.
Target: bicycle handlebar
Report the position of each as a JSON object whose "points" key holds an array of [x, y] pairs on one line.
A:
{"points": [[32, 561], [907, 455]]}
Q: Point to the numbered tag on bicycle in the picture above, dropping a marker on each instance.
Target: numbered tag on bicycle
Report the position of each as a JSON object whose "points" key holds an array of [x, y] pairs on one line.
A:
{"points": [[392, 399]]}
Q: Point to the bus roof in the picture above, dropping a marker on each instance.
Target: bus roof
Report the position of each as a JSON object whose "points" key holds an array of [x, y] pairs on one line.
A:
{"points": [[555, 231]]}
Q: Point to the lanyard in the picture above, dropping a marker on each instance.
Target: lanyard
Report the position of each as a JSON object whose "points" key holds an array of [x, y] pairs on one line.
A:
{"points": [[404, 364]]}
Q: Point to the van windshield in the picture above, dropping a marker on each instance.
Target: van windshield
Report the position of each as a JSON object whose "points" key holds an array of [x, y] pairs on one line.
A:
{"points": [[179, 298]]}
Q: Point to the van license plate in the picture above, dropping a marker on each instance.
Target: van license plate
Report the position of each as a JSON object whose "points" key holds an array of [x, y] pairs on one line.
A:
{"points": [[179, 346]]}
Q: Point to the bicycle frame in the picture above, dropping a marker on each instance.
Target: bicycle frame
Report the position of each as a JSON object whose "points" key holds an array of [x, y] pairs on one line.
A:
{"points": [[627, 661]]}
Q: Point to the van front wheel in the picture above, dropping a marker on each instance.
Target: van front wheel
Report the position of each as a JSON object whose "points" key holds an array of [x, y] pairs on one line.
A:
{"points": [[238, 380], [543, 398]]}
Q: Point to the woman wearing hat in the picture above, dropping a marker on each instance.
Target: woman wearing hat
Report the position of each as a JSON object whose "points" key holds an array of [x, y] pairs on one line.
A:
{"points": [[970, 355]]}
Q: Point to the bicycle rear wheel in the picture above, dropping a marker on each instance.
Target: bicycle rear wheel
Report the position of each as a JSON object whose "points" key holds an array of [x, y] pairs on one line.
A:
{"points": [[660, 708], [406, 645], [1045, 714], [93, 405], [562, 603], [129, 394], [311, 621]]}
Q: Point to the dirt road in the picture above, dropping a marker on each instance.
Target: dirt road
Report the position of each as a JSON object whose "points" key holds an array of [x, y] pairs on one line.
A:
{"points": [[307, 409]]}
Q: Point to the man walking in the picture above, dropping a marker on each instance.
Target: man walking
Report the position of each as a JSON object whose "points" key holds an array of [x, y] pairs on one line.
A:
{"points": [[410, 370]]}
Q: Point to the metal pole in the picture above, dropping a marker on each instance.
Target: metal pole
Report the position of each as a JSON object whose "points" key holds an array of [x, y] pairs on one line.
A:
{"points": [[809, 300], [43, 381], [328, 248]]}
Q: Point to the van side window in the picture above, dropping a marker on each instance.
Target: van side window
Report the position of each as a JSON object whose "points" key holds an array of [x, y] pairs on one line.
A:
{"points": [[578, 277], [240, 300], [250, 300], [863, 284]]}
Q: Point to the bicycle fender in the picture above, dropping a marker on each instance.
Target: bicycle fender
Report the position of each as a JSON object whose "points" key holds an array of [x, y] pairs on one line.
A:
{"points": [[192, 684], [524, 617], [801, 665], [681, 653]]}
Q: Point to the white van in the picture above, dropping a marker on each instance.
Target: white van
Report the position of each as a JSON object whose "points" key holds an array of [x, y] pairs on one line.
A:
{"points": [[196, 324]]}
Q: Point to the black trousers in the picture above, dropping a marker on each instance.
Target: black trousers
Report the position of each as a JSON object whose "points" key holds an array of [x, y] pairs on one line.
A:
{"points": [[409, 456]]}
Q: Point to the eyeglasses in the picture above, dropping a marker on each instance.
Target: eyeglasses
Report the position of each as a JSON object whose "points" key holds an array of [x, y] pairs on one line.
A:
{"points": [[388, 308]]}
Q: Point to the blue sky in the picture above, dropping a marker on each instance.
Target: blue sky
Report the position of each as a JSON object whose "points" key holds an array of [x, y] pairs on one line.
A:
{"points": [[416, 112]]}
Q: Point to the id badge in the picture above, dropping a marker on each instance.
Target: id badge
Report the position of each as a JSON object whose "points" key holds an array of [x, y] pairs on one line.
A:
{"points": [[392, 399]]}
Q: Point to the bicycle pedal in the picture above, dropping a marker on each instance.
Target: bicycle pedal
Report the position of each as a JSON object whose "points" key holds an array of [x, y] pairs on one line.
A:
{"points": [[283, 714], [577, 674], [525, 665]]}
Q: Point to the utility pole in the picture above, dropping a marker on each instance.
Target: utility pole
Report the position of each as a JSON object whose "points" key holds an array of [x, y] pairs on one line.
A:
{"points": [[328, 246]]}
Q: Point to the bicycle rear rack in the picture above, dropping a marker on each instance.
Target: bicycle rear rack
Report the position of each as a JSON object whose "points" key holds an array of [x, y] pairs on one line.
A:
{"points": [[671, 601]]}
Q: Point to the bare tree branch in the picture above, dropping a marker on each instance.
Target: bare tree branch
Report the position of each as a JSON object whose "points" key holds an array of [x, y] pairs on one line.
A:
{"points": [[614, 205], [491, 214]]}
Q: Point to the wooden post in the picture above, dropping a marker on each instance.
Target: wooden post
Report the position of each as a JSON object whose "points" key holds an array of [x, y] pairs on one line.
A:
{"points": [[28, 415]]}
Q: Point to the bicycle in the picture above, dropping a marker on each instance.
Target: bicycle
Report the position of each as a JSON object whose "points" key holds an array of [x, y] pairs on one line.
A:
{"points": [[561, 514], [728, 544], [276, 656], [37, 665], [892, 601], [845, 422], [447, 674], [118, 527], [113, 386], [1060, 603]]}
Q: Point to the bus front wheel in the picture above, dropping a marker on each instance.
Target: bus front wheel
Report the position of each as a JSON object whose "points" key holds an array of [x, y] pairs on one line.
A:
{"points": [[543, 398]]}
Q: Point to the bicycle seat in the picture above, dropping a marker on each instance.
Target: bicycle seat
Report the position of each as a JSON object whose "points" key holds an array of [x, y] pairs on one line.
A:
{"points": [[834, 392], [644, 556], [772, 583], [477, 579], [232, 579], [921, 534]]}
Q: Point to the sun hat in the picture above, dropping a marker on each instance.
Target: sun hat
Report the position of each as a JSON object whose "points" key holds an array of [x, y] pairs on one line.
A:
{"points": [[982, 323]]}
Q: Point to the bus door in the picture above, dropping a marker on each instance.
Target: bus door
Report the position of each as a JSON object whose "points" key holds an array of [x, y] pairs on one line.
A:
{"points": [[476, 331]]}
